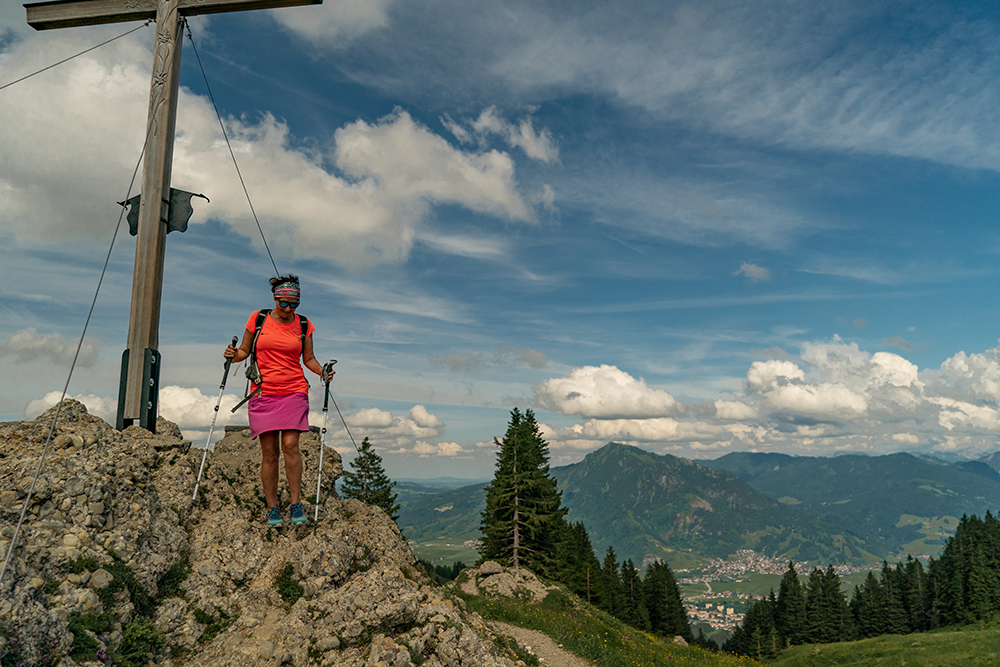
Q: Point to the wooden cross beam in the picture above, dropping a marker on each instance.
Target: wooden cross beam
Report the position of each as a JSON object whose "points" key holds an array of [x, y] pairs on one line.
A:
{"points": [[70, 13], [140, 363]]}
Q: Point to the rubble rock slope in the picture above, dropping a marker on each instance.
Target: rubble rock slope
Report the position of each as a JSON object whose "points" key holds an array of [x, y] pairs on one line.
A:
{"points": [[114, 564]]}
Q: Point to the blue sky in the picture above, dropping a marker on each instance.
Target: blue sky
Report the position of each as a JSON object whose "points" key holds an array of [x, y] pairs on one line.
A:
{"points": [[692, 228]]}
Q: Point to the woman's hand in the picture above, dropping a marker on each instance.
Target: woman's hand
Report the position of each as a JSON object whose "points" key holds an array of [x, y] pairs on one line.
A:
{"points": [[230, 352]]}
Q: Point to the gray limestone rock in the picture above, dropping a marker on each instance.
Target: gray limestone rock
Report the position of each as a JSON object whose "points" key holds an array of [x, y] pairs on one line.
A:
{"points": [[115, 526]]}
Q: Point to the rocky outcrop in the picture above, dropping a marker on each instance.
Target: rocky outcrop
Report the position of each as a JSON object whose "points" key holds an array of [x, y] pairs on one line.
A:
{"points": [[491, 578], [115, 561]]}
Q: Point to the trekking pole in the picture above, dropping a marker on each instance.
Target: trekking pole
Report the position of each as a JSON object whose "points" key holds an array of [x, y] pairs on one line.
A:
{"points": [[328, 370], [222, 389]]}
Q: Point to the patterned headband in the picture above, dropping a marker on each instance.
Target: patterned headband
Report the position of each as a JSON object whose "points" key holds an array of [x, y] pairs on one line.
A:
{"points": [[287, 290]]}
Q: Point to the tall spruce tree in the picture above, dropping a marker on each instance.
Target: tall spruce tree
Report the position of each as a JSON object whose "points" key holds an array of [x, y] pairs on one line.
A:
{"points": [[828, 618], [612, 594], [868, 607], [575, 563], [634, 612], [790, 614], [896, 619], [756, 636], [964, 579], [817, 620], [916, 596], [523, 518], [368, 482], [662, 599]]}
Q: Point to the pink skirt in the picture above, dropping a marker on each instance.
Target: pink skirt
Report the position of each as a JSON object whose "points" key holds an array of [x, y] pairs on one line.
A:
{"points": [[278, 413]]}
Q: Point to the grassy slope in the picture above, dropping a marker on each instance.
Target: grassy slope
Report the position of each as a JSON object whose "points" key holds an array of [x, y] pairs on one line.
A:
{"points": [[607, 642], [593, 635], [969, 647]]}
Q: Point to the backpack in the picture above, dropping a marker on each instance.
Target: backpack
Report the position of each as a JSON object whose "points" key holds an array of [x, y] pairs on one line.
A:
{"points": [[253, 370]]}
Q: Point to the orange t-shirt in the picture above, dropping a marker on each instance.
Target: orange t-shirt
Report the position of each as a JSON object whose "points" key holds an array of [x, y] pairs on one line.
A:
{"points": [[279, 348]]}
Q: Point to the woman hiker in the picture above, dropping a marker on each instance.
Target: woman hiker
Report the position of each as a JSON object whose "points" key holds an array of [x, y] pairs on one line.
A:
{"points": [[279, 404]]}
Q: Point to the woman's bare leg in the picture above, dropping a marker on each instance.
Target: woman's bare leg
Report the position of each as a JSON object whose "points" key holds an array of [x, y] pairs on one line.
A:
{"points": [[293, 463], [269, 467]]}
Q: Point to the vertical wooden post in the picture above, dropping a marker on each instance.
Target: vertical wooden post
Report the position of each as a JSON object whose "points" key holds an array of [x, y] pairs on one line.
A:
{"points": [[147, 281], [137, 395]]}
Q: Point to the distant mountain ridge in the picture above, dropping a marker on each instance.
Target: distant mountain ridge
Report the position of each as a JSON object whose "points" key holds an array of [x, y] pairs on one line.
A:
{"points": [[839, 509], [880, 497], [643, 503]]}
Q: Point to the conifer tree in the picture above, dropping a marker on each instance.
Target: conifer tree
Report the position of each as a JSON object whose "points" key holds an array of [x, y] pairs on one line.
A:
{"points": [[964, 580], [756, 636], [790, 614], [916, 596], [634, 612], [523, 518], [896, 619], [662, 599], [982, 586], [817, 615], [369, 483], [612, 595], [828, 617], [841, 625], [868, 608], [576, 564]]}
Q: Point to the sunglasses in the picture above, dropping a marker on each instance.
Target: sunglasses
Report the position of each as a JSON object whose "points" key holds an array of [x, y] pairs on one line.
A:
{"points": [[289, 304]]}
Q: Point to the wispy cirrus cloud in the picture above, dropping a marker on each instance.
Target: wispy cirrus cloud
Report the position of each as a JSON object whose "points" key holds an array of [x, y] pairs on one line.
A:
{"points": [[872, 78]]}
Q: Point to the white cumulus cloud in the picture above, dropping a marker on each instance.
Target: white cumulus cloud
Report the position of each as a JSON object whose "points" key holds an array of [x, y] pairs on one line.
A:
{"points": [[426, 450], [832, 397], [187, 407], [605, 392], [335, 24], [390, 171], [105, 407], [28, 345], [753, 273], [734, 410], [387, 431]]}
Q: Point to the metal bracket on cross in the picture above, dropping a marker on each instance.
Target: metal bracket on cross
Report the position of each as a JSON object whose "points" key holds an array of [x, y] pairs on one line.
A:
{"points": [[180, 211]]}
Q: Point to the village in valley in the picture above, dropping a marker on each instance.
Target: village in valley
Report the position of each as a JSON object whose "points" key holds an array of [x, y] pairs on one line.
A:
{"points": [[724, 609]]}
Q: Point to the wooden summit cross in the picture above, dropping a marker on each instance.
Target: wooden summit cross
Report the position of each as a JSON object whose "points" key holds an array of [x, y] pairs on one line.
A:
{"points": [[137, 397]]}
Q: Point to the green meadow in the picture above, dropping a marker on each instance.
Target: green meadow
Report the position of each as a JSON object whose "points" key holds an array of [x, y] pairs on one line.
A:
{"points": [[593, 635], [971, 646]]}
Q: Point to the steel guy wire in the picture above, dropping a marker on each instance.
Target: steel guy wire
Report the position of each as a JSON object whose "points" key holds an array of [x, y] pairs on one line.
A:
{"points": [[76, 355], [66, 60], [187, 27]]}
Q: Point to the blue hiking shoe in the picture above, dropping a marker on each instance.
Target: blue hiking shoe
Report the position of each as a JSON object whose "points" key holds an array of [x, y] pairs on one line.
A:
{"points": [[297, 514], [274, 517]]}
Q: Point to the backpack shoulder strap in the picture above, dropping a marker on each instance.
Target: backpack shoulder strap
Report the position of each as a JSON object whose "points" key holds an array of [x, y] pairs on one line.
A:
{"points": [[261, 314], [257, 327], [252, 368], [304, 323]]}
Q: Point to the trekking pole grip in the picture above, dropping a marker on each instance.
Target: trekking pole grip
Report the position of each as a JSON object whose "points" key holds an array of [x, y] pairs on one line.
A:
{"points": [[229, 362]]}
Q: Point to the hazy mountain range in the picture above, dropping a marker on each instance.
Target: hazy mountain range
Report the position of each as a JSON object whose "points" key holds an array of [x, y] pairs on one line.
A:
{"points": [[832, 510], [896, 503]]}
